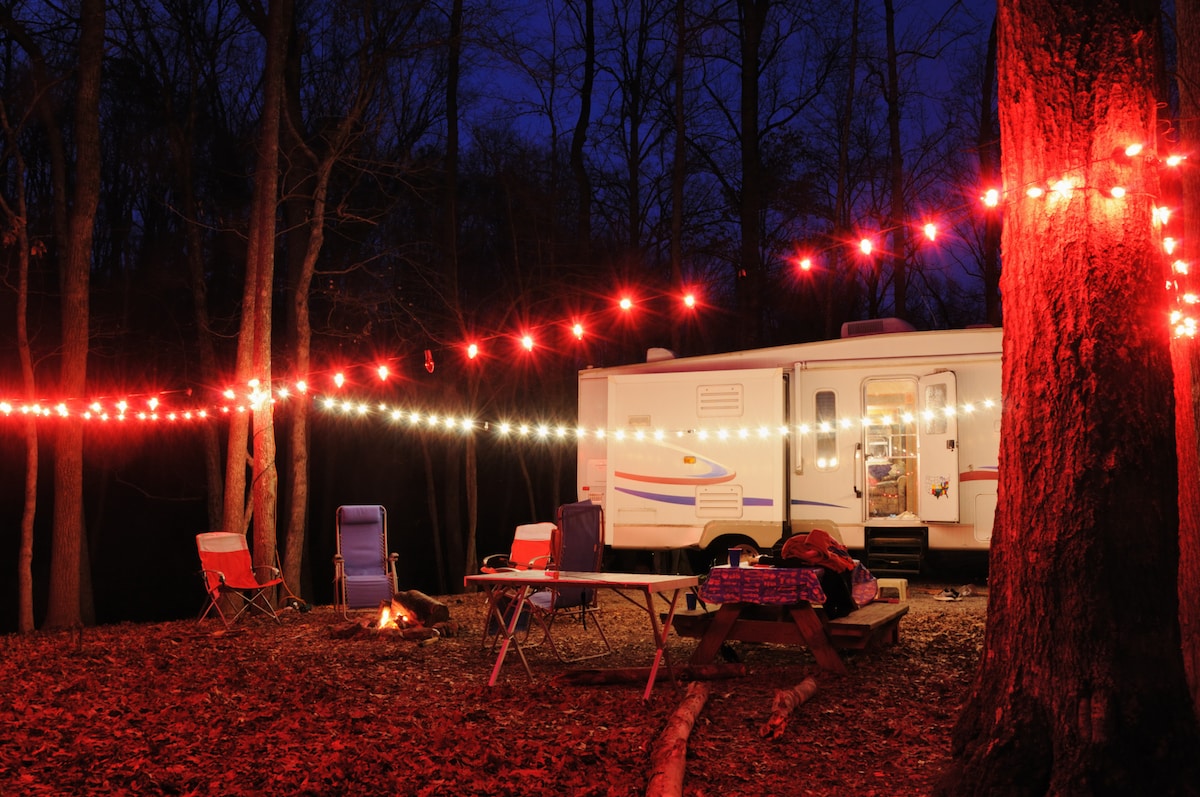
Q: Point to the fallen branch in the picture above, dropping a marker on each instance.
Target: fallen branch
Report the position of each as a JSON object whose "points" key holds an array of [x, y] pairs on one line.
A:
{"points": [[628, 675], [668, 760], [786, 700]]}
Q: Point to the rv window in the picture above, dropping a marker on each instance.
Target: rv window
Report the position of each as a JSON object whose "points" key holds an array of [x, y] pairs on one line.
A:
{"points": [[826, 418], [935, 409]]}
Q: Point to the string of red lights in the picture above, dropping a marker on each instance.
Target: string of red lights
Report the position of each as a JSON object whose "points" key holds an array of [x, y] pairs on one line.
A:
{"points": [[150, 407]]}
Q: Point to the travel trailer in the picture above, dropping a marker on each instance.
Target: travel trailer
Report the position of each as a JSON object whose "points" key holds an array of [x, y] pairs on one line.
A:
{"points": [[891, 437]]}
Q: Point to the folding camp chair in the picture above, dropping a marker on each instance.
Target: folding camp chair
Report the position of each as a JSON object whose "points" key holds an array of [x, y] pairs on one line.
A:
{"points": [[364, 572], [226, 568], [577, 547], [530, 549]]}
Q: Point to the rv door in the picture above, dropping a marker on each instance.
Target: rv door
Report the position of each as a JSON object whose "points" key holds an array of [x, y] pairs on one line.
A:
{"points": [[937, 441]]}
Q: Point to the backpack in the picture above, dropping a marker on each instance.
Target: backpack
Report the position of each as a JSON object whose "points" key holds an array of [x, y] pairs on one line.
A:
{"points": [[817, 549]]}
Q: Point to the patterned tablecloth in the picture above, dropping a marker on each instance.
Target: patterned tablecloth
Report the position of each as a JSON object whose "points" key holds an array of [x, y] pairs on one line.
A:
{"points": [[778, 586]]}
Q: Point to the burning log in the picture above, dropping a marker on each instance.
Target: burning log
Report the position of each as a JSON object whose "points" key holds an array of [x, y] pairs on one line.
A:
{"points": [[786, 701], [669, 756], [427, 611], [410, 615]]}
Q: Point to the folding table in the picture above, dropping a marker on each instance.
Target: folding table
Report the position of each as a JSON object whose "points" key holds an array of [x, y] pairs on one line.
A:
{"points": [[527, 581]]}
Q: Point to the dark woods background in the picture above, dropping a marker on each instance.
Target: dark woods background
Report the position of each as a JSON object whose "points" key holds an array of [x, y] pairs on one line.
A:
{"points": [[474, 170]]}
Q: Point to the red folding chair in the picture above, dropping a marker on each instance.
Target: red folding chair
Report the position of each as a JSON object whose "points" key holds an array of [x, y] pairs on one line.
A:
{"points": [[226, 568], [530, 550]]}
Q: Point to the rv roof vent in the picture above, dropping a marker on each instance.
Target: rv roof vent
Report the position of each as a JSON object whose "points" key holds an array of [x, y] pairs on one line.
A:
{"points": [[657, 355], [875, 326]]}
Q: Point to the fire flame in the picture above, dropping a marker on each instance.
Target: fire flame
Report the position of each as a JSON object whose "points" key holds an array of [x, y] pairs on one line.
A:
{"points": [[390, 617]]}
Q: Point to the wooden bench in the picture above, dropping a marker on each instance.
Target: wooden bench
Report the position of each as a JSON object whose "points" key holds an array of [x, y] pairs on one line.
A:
{"points": [[874, 625]]}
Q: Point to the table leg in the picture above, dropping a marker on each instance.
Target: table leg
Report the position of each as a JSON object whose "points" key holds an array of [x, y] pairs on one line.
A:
{"points": [[718, 630], [813, 634], [660, 637], [509, 633]]}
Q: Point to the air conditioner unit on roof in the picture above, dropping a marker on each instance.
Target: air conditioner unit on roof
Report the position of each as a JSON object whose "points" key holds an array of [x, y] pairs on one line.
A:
{"points": [[875, 326]]}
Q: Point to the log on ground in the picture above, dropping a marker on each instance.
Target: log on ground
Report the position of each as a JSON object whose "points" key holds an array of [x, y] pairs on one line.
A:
{"points": [[429, 611], [669, 758], [786, 701], [628, 675]]}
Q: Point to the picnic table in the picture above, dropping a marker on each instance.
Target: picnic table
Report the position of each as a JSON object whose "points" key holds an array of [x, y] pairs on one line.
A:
{"points": [[780, 605]]}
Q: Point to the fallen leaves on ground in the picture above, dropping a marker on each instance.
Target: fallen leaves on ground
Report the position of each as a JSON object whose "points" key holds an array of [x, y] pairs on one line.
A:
{"points": [[185, 708]]}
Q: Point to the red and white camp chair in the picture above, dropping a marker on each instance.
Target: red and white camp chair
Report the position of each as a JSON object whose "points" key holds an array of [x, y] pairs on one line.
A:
{"points": [[530, 550], [226, 568]]}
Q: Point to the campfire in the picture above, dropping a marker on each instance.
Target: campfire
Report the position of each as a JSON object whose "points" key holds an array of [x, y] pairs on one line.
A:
{"points": [[392, 615], [410, 614]]}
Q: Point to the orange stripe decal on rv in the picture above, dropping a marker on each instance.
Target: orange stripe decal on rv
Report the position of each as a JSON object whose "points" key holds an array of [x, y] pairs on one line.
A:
{"points": [[637, 477], [979, 476]]}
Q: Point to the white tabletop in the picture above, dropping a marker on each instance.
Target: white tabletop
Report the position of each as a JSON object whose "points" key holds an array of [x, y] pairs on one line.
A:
{"points": [[656, 582]]}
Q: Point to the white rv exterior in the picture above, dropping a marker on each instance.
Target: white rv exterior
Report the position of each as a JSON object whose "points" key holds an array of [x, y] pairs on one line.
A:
{"points": [[892, 438]]}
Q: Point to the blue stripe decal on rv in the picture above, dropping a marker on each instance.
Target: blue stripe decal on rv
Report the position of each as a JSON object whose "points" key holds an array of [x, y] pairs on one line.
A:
{"points": [[686, 500], [801, 502]]}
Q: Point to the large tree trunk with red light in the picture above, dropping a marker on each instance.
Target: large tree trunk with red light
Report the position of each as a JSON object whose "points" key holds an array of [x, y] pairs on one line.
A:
{"points": [[1186, 357], [1081, 689]]}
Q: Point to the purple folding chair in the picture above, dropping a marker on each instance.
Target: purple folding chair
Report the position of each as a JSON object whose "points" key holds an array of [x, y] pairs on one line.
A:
{"points": [[364, 572]]}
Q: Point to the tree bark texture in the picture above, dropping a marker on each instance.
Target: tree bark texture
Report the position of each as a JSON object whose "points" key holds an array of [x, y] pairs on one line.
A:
{"points": [[1081, 689], [1185, 355]]}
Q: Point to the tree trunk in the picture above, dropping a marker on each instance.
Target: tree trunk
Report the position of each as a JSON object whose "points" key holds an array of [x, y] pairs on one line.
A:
{"points": [[1186, 358], [988, 146], [583, 186], [1081, 689], [17, 216], [751, 279], [254, 341], [450, 242], [66, 598], [196, 260], [899, 220], [679, 159], [841, 223]]}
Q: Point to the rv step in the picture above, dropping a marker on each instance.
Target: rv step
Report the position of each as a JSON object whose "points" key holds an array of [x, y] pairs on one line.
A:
{"points": [[895, 552]]}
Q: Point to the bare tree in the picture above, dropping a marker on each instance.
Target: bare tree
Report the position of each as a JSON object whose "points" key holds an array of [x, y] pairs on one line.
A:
{"points": [[68, 604], [254, 340], [16, 236]]}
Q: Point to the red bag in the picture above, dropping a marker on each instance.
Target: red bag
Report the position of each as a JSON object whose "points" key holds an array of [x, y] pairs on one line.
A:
{"points": [[818, 549]]}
